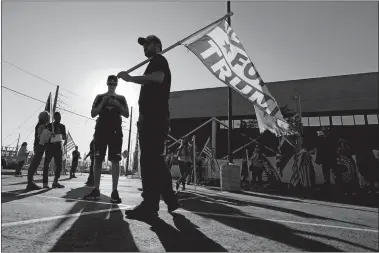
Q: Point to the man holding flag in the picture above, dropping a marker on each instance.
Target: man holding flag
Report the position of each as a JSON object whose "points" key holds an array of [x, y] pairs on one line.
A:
{"points": [[153, 127]]}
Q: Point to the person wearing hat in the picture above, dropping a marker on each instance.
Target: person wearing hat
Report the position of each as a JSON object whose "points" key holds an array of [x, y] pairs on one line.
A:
{"points": [[108, 133], [153, 127], [41, 138], [54, 150]]}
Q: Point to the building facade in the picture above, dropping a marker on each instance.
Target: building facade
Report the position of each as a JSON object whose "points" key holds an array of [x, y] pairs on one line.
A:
{"points": [[348, 104]]}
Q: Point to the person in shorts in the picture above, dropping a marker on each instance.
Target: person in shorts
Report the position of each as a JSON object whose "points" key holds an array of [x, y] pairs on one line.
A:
{"points": [[108, 133]]}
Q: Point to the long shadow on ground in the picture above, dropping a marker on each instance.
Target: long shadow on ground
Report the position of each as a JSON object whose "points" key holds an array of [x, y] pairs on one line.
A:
{"points": [[263, 228], [40, 181], [274, 208], [184, 238], [19, 194], [105, 231]]}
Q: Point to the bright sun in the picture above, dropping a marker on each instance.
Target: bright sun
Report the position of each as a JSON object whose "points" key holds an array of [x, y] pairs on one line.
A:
{"points": [[96, 82]]}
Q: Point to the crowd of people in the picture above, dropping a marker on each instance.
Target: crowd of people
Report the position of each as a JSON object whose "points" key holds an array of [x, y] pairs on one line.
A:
{"points": [[153, 128], [335, 157]]}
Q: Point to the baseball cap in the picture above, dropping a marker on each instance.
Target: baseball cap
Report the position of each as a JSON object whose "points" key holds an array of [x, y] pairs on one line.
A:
{"points": [[150, 38], [112, 79]]}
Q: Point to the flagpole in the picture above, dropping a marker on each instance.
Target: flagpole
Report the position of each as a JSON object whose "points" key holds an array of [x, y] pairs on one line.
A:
{"points": [[180, 42], [230, 111], [130, 132], [194, 158]]}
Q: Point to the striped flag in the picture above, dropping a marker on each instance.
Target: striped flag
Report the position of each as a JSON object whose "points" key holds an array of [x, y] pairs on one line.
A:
{"points": [[69, 143], [302, 169], [223, 54], [269, 169], [207, 150]]}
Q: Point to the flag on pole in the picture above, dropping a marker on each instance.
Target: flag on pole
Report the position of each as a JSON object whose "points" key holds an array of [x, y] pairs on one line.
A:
{"points": [[48, 104], [49, 108], [207, 150], [303, 169], [69, 143], [223, 54]]}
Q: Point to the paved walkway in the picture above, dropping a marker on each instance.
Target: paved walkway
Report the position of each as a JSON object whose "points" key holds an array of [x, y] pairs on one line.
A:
{"points": [[58, 220]]}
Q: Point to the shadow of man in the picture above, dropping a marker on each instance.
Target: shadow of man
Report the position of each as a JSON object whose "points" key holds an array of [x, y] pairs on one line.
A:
{"points": [[184, 239], [102, 230], [260, 227]]}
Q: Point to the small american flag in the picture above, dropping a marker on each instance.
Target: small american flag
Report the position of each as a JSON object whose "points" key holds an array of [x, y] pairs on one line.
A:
{"points": [[302, 167], [207, 150], [69, 143]]}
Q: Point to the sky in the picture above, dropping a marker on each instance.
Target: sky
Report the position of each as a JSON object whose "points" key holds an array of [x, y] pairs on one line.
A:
{"points": [[76, 45]]}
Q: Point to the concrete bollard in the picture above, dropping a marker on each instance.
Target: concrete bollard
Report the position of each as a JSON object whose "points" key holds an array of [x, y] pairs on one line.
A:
{"points": [[230, 179]]}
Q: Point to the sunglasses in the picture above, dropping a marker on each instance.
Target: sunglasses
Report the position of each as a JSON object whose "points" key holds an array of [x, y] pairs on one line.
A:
{"points": [[111, 83]]}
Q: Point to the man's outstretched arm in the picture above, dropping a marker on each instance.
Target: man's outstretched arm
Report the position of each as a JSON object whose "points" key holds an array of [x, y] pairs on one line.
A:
{"points": [[150, 79]]}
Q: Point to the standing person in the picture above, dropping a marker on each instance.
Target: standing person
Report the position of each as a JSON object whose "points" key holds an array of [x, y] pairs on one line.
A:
{"points": [[326, 156], [184, 159], [41, 138], [21, 158], [54, 149], [108, 133], [75, 161], [91, 155], [244, 172], [64, 159], [153, 127], [257, 166]]}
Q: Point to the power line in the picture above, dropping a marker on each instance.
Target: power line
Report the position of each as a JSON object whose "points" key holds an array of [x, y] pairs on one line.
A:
{"points": [[40, 78], [77, 114], [24, 122], [30, 117], [23, 94]]}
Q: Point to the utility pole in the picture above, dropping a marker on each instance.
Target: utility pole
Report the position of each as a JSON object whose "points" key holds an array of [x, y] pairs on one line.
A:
{"points": [[130, 132], [56, 99], [230, 111], [18, 140]]}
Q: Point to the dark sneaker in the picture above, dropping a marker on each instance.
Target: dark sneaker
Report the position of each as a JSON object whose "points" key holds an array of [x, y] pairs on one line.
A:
{"points": [[173, 207], [57, 185], [141, 212], [115, 199], [74, 176], [94, 195], [46, 186], [32, 187]]}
